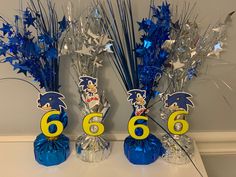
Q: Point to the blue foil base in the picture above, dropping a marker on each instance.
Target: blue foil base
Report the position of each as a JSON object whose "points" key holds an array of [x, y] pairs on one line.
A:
{"points": [[51, 152], [143, 152]]}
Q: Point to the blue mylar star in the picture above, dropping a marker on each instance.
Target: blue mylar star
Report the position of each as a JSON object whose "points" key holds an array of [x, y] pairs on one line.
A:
{"points": [[63, 24], [6, 29], [9, 59], [22, 69], [3, 51], [28, 18], [145, 24], [147, 44]]}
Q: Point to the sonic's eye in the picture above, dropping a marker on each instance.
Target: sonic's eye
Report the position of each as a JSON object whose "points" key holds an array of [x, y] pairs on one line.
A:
{"points": [[47, 105], [89, 82], [138, 95]]}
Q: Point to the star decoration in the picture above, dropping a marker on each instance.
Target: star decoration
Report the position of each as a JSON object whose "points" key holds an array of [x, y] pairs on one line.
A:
{"points": [[63, 24], [94, 36], [28, 18], [177, 65], [216, 50], [6, 29], [96, 14], [168, 44], [108, 48], [3, 51], [218, 29], [145, 24], [147, 44], [85, 50], [9, 59], [104, 39]]}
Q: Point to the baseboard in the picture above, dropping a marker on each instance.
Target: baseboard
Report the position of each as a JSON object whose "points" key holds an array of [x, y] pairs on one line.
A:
{"points": [[209, 143]]}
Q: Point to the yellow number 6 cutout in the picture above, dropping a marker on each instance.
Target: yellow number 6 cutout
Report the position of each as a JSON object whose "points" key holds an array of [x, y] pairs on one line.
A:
{"points": [[45, 124], [87, 124], [132, 127], [172, 121]]}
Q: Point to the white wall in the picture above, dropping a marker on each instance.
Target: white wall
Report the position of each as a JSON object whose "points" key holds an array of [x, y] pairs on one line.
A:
{"points": [[20, 116], [220, 165]]}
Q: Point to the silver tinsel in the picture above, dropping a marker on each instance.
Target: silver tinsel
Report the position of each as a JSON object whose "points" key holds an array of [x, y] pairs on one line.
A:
{"points": [[174, 154], [92, 149], [188, 48], [87, 43]]}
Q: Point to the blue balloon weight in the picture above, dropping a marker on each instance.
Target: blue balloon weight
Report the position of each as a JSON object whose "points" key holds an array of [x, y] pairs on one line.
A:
{"points": [[143, 152], [51, 152]]}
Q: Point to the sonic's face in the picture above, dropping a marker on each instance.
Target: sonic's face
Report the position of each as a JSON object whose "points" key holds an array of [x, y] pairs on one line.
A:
{"points": [[45, 107], [179, 100], [88, 84], [44, 103], [140, 100], [92, 88], [137, 97], [173, 107], [51, 101]]}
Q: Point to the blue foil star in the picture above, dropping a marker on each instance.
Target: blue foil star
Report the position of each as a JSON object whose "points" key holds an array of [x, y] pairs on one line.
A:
{"points": [[28, 18], [6, 29], [63, 24], [152, 56]]}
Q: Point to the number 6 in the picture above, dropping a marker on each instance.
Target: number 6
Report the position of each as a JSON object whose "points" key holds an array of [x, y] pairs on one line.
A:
{"points": [[132, 127], [172, 121], [45, 125], [87, 124]]}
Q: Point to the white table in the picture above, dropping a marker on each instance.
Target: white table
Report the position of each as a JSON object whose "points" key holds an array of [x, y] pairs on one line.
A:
{"points": [[17, 160]]}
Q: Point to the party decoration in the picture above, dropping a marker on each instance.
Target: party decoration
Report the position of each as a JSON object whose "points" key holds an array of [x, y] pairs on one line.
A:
{"points": [[88, 43], [31, 46], [87, 124], [177, 126], [45, 125], [179, 100], [187, 49], [132, 128], [140, 67], [51, 101]]}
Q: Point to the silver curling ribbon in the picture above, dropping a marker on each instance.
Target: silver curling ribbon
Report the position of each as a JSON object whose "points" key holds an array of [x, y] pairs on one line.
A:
{"points": [[174, 153]]}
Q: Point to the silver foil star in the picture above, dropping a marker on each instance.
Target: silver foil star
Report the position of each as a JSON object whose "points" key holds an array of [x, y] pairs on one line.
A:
{"points": [[217, 49], [85, 50]]}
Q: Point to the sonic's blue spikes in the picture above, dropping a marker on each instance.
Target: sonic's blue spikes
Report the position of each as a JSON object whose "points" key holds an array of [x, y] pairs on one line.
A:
{"points": [[133, 95], [53, 99], [84, 80], [181, 99]]}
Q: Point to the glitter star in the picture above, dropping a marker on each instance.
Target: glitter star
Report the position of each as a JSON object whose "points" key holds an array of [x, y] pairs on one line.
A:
{"points": [[108, 48], [177, 65], [63, 24], [217, 50], [103, 40], [168, 44], [94, 36], [6, 29], [85, 50]]}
